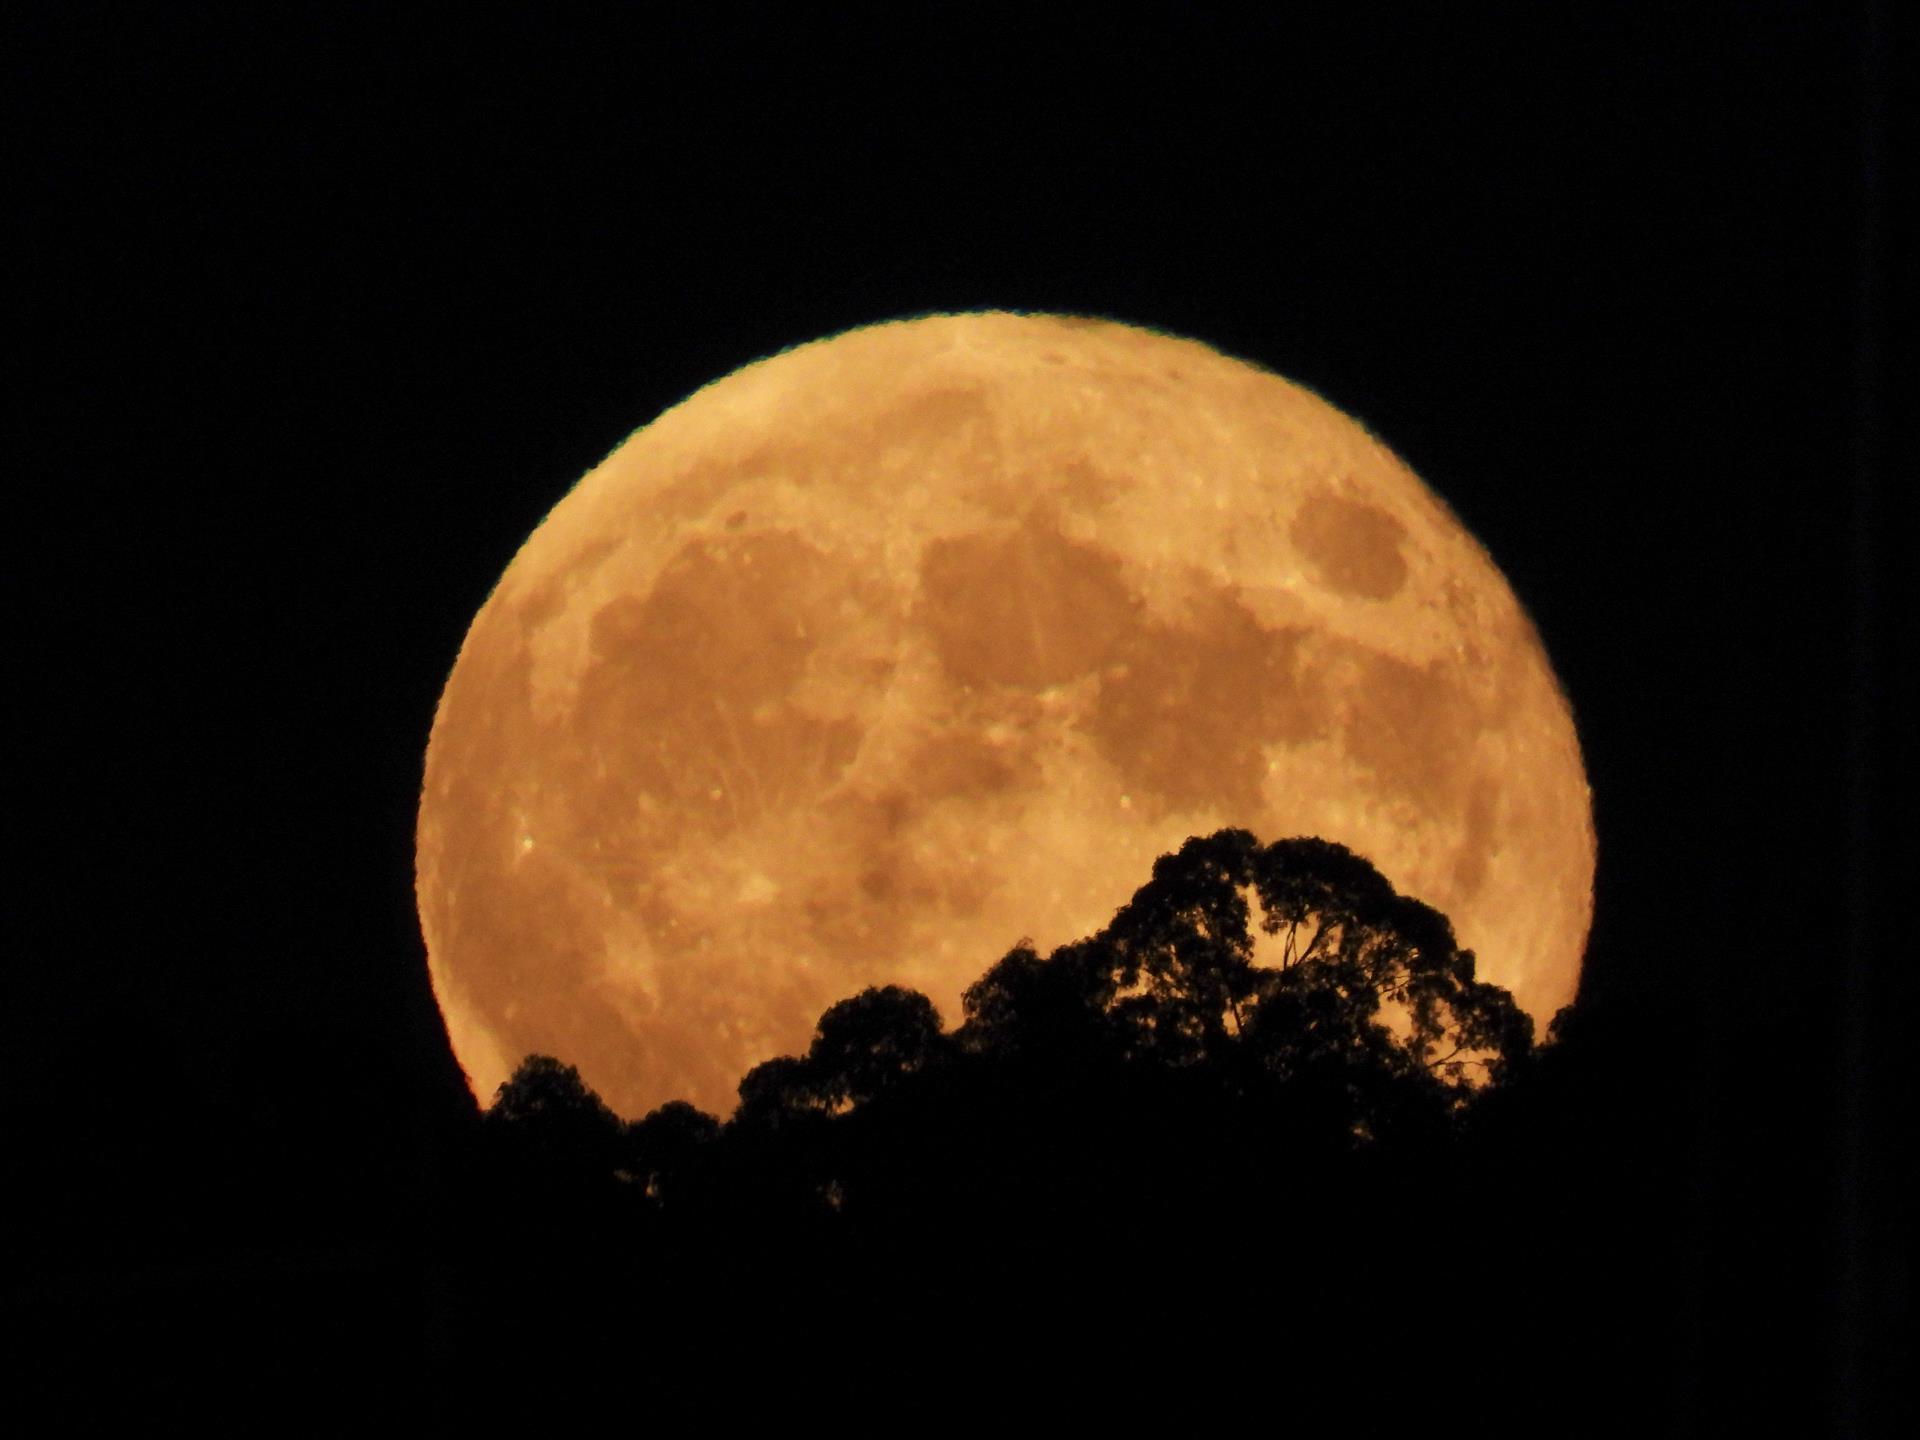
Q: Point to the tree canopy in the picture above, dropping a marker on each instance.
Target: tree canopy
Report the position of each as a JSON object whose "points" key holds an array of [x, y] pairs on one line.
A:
{"points": [[862, 1048], [1285, 962], [1246, 992], [1260, 1068]]}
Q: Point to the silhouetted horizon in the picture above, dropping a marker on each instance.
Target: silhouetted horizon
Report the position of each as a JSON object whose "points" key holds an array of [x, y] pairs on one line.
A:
{"points": [[1325, 867]]}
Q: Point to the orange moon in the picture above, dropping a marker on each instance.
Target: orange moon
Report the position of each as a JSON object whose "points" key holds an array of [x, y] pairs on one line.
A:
{"points": [[878, 656]]}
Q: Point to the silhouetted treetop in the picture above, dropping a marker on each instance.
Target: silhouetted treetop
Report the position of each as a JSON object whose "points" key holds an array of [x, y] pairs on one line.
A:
{"points": [[545, 1111], [1031, 1007], [780, 1092], [544, 1091], [1246, 991], [1295, 959], [666, 1148], [867, 1045], [862, 1048]]}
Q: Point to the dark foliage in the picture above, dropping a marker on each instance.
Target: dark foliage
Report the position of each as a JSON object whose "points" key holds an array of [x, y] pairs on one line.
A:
{"points": [[1265, 1139], [1269, 1095], [1175, 981]]}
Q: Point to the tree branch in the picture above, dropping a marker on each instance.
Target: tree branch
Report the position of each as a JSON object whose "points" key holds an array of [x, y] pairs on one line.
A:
{"points": [[1313, 944]]}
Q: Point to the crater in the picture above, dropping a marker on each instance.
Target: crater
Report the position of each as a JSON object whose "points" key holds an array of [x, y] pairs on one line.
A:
{"points": [[1476, 846], [964, 764], [928, 423], [1410, 726], [694, 681], [1187, 713], [1027, 608], [1354, 549], [1085, 486]]}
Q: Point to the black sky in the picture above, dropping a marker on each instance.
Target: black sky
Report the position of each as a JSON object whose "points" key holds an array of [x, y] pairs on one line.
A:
{"points": [[326, 305]]}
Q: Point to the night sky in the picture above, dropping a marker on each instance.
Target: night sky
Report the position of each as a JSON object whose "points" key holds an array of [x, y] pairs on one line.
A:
{"points": [[325, 306]]}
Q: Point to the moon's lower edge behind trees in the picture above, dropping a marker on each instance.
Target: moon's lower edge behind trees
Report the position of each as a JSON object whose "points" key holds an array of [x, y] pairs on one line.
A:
{"points": [[879, 656]]}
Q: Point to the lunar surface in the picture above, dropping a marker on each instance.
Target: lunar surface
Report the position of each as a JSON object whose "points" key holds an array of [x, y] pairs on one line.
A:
{"points": [[881, 655]]}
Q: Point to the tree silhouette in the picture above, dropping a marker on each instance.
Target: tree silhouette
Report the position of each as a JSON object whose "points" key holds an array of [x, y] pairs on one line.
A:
{"points": [[869, 1045], [545, 1115], [1251, 1008], [862, 1048], [781, 1093], [1050, 1011], [1265, 1057], [665, 1152], [1343, 990]]}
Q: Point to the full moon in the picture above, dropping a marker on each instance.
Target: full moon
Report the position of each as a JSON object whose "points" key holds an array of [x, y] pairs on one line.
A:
{"points": [[879, 656]]}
